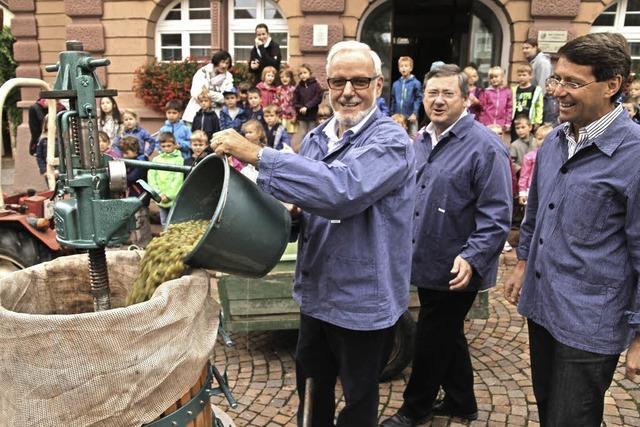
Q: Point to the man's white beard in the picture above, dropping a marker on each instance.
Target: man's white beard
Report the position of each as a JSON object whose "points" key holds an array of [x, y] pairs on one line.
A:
{"points": [[351, 121]]}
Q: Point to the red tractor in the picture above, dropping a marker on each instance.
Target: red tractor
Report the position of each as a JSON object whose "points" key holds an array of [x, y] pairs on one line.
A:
{"points": [[26, 237]]}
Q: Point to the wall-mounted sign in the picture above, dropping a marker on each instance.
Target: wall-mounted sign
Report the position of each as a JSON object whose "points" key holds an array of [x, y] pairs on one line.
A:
{"points": [[551, 41], [320, 35]]}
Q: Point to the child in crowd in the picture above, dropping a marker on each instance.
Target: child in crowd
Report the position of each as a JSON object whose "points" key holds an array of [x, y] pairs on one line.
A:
{"points": [[401, 120], [109, 120], [206, 118], [254, 132], [527, 98], [255, 106], [632, 109], [382, 106], [175, 125], [528, 163], [284, 100], [243, 95], [131, 127], [550, 107], [231, 116], [324, 113], [131, 149], [105, 146], [525, 142], [41, 148], [498, 130], [277, 136], [306, 98], [267, 87], [474, 91], [634, 92], [164, 182], [406, 94], [496, 101], [199, 148]]}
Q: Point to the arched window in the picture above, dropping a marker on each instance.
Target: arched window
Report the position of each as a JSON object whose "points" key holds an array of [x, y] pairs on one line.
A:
{"points": [[183, 30], [623, 17], [244, 15]]}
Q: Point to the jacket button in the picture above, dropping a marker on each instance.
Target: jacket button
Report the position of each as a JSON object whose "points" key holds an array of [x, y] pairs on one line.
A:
{"points": [[305, 273], [423, 186], [306, 239], [564, 169], [537, 274], [551, 206], [541, 241], [417, 213], [413, 240]]}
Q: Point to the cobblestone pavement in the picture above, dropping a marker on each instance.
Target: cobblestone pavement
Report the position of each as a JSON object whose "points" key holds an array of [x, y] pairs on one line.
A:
{"points": [[262, 376]]}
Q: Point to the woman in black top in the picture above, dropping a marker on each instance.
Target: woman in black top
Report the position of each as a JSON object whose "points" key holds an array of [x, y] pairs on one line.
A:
{"points": [[266, 52]]}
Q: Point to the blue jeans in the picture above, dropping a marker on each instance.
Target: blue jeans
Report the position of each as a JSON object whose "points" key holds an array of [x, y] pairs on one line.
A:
{"points": [[569, 384]]}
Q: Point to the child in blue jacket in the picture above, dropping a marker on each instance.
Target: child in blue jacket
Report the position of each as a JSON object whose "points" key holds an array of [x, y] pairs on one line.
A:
{"points": [[406, 94], [231, 116], [175, 126]]}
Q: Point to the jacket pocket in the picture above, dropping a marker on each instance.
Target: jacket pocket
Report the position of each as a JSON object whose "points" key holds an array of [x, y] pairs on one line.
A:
{"points": [[352, 284], [577, 306], [585, 214]]}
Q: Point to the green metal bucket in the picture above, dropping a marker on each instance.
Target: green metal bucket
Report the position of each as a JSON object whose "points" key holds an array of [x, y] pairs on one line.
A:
{"points": [[248, 230]]}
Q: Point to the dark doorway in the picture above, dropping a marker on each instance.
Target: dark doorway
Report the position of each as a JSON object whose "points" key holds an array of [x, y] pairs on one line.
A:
{"points": [[452, 31]]}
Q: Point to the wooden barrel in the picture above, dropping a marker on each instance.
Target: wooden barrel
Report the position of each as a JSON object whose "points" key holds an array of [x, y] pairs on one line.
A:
{"points": [[193, 409]]}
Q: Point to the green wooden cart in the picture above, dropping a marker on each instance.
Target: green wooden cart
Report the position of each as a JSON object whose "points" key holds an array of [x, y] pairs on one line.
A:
{"points": [[266, 304]]}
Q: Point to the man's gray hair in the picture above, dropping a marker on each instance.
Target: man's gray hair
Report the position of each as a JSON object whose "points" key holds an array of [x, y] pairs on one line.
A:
{"points": [[448, 70], [354, 45]]}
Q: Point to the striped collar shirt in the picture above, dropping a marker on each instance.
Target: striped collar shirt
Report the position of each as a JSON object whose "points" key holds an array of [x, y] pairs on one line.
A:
{"points": [[587, 134]]}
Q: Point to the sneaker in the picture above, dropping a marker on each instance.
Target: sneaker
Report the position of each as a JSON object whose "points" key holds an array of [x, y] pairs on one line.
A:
{"points": [[444, 409]]}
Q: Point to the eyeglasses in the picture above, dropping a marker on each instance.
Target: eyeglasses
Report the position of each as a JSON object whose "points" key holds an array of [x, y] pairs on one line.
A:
{"points": [[358, 83], [553, 83], [446, 94]]}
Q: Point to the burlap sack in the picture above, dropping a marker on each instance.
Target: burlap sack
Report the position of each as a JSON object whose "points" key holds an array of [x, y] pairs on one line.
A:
{"points": [[120, 367]]}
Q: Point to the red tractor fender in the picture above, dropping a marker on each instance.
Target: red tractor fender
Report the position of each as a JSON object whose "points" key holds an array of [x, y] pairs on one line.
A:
{"points": [[47, 236]]}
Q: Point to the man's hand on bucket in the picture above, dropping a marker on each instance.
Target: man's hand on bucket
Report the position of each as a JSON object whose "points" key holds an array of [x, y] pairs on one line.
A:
{"points": [[232, 143]]}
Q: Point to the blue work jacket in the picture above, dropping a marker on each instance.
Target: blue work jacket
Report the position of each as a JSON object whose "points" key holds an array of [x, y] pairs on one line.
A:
{"points": [[354, 250], [463, 205], [581, 240]]}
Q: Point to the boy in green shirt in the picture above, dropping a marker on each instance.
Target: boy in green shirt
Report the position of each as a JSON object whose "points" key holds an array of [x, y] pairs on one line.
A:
{"points": [[164, 182]]}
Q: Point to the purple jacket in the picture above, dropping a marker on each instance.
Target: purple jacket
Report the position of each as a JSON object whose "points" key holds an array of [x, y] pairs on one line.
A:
{"points": [[497, 106], [581, 240], [463, 205], [354, 248], [307, 94]]}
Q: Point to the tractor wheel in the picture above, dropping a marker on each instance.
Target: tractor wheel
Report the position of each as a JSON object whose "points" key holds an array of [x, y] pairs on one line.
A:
{"points": [[20, 250], [402, 351]]}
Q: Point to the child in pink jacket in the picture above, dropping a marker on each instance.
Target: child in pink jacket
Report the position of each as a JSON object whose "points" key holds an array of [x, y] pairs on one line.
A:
{"points": [[528, 163], [496, 101]]}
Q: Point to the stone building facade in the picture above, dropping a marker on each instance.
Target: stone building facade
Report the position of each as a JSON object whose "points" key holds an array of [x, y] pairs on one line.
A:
{"points": [[132, 32]]}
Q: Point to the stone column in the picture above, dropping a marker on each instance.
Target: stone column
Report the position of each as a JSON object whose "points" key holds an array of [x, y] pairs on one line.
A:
{"points": [[26, 53], [86, 26], [325, 12], [219, 25]]}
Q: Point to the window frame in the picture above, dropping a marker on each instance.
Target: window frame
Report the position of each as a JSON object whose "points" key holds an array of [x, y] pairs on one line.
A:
{"points": [[248, 26], [184, 27], [632, 34]]}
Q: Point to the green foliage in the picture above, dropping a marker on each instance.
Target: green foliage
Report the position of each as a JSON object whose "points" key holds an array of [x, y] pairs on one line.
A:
{"points": [[8, 71], [241, 73]]}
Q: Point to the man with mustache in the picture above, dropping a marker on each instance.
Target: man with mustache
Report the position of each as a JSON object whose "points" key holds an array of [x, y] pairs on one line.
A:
{"points": [[578, 275], [354, 181], [462, 217]]}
